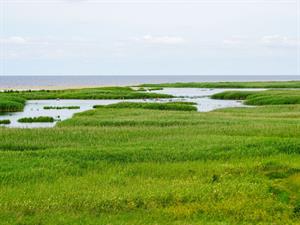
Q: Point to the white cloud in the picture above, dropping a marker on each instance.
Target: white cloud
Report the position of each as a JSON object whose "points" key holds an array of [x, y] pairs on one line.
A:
{"points": [[235, 40], [280, 41], [13, 40], [17, 47], [266, 41], [167, 40]]}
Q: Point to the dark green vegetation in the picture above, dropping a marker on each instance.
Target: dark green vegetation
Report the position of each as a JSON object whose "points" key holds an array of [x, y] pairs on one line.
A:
{"points": [[270, 84], [137, 166], [40, 119], [61, 107], [87, 93], [10, 103], [5, 122], [271, 97], [177, 106]]}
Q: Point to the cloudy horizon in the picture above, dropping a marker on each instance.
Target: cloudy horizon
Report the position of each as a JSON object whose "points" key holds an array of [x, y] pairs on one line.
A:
{"points": [[149, 37]]}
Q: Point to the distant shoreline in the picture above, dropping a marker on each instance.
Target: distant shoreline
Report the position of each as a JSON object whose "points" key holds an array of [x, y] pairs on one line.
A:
{"points": [[36, 88], [75, 82]]}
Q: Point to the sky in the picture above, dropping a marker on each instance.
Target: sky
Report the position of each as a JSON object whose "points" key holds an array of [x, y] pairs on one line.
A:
{"points": [[149, 37]]}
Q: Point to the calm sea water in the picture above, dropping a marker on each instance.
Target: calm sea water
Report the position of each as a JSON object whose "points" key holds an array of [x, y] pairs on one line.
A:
{"points": [[73, 81]]}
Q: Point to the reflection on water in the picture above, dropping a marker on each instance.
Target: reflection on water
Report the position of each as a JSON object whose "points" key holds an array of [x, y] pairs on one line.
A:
{"points": [[35, 108]]}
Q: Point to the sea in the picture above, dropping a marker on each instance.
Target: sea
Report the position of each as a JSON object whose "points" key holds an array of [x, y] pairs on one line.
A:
{"points": [[7, 82]]}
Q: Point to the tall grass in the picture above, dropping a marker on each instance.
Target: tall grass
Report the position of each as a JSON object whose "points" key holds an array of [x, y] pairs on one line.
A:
{"points": [[137, 166], [89, 93], [177, 106], [5, 122], [40, 119], [131, 165], [11, 103], [271, 97], [264, 84]]}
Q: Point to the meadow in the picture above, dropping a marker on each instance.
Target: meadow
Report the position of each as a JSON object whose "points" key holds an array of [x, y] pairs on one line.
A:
{"points": [[270, 97], [134, 164], [262, 84], [86, 93]]}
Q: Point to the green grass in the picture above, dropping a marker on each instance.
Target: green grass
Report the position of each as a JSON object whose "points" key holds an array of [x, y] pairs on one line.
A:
{"points": [[40, 119], [177, 106], [140, 166], [5, 122], [10, 103], [88, 93], [264, 84], [128, 164], [61, 107], [271, 97]]}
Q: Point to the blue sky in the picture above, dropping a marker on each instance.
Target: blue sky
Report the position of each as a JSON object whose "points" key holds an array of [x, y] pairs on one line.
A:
{"points": [[149, 37]]}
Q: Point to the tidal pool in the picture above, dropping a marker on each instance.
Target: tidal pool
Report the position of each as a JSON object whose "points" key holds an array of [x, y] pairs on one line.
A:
{"points": [[35, 108]]}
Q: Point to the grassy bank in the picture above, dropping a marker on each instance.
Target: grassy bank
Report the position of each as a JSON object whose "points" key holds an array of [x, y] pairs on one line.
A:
{"points": [[140, 166], [270, 84], [271, 97], [175, 106], [40, 119], [10, 103], [88, 93]]}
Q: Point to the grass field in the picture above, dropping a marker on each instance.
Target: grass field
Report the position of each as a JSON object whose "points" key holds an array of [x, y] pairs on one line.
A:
{"points": [[263, 84], [133, 163], [87, 93], [270, 97], [141, 166]]}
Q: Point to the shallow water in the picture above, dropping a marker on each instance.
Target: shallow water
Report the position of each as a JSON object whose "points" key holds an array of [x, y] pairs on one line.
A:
{"points": [[35, 108], [202, 97]]}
